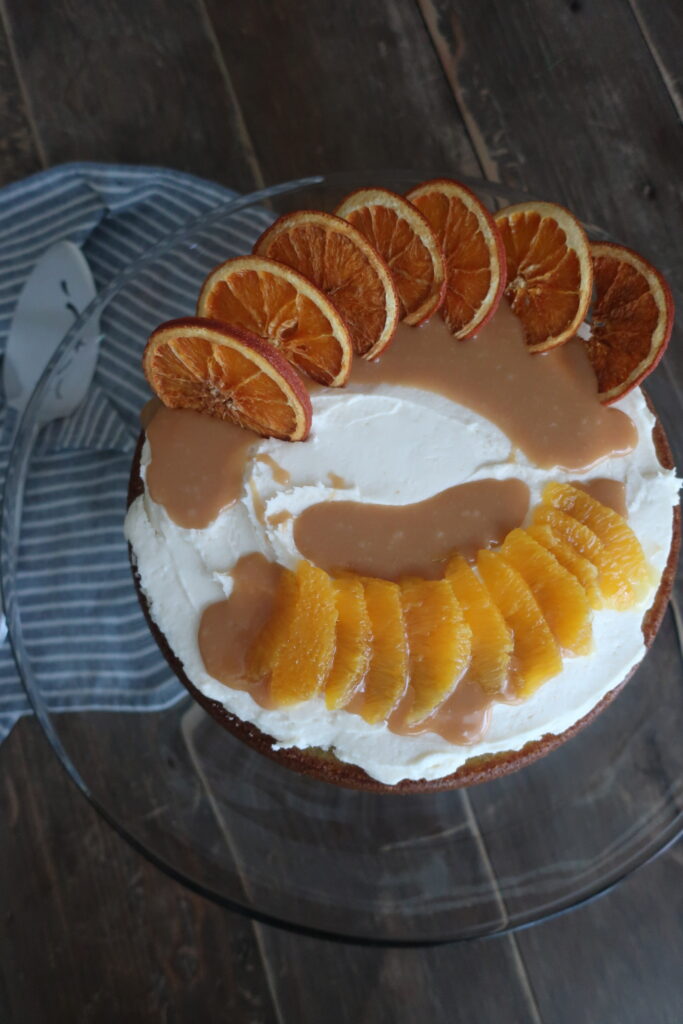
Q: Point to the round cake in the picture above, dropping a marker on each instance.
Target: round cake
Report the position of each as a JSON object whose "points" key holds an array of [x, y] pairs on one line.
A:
{"points": [[459, 563]]}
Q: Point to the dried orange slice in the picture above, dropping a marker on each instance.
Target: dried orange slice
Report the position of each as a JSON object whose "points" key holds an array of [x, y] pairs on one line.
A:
{"points": [[227, 373], [631, 320], [549, 271], [282, 307], [472, 250], [342, 264], [405, 241]]}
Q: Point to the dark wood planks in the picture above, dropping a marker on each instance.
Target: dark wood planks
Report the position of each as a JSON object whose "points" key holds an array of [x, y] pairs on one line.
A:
{"points": [[130, 82], [478, 983], [662, 27], [19, 153], [90, 930], [340, 86]]}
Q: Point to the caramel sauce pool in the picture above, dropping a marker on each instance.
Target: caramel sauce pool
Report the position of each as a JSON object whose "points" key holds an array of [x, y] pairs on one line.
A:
{"points": [[391, 541], [546, 404], [197, 464]]}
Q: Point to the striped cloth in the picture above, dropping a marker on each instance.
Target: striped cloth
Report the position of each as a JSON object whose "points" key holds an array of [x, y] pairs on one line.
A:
{"points": [[88, 644]]}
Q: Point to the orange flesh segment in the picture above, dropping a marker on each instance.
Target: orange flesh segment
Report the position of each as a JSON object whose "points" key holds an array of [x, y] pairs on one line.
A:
{"points": [[387, 675], [277, 305], [491, 638], [549, 271], [560, 596], [353, 643], [439, 644], [536, 656], [584, 571], [625, 575], [261, 657], [303, 658]]}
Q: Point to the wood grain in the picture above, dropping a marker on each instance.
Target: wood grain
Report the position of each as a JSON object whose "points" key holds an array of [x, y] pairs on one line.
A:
{"points": [[662, 28], [91, 931], [19, 154], [130, 82], [340, 86]]}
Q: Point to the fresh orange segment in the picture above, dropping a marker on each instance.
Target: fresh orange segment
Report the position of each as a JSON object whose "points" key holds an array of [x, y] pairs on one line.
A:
{"points": [[472, 249], [625, 576], [439, 644], [227, 373], [614, 588], [353, 643], [549, 271], [560, 596], [302, 658], [491, 638], [342, 264], [405, 241], [273, 636], [536, 656], [387, 676], [584, 571], [632, 318], [282, 307]]}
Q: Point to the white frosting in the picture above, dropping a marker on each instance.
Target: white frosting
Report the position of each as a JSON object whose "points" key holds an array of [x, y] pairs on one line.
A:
{"points": [[393, 445]]}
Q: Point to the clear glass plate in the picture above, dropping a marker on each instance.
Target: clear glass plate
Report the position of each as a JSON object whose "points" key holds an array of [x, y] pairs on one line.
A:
{"points": [[240, 828]]}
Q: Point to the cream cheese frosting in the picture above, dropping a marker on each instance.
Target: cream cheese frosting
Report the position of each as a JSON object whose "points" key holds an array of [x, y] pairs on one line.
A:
{"points": [[397, 445]]}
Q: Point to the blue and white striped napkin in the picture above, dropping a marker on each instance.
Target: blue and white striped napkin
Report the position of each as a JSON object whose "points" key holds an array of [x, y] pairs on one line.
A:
{"points": [[74, 506]]}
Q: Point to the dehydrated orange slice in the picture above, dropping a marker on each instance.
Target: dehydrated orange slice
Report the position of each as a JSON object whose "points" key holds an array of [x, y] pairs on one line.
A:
{"points": [[536, 656], [282, 307], [405, 241], [352, 645], [387, 676], [472, 249], [491, 638], [631, 320], [549, 271], [227, 373], [342, 264], [439, 644]]}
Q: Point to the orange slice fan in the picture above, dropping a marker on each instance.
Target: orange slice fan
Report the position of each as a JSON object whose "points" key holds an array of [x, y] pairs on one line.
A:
{"points": [[342, 264], [473, 253], [549, 271], [403, 238], [227, 373], [282, 307]]}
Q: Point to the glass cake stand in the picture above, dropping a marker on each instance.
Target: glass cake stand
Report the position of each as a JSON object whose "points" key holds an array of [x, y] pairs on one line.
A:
{"points": [[227, 821]]}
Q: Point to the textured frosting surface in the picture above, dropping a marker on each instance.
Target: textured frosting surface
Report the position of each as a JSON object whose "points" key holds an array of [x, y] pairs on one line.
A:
{"points": [[392, 445]]}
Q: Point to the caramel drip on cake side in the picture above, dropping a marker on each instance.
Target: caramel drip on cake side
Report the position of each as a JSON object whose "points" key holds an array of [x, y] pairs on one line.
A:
{"points": [[197, 465], [546, 404], [391, 541]]}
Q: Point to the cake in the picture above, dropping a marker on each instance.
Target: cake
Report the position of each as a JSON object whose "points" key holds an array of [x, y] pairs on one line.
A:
{"points": [[444, 553]]}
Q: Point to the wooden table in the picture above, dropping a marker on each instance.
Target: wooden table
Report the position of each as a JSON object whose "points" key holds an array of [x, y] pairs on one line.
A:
{"points": [[575, 101]]}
